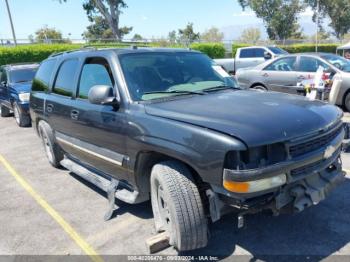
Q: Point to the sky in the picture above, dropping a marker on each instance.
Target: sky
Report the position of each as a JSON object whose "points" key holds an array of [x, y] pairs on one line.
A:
{"points": [[150, 18]]}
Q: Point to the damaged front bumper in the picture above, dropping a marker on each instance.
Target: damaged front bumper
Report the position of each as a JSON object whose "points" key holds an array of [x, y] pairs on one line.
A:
{"points": [[309, 180]]}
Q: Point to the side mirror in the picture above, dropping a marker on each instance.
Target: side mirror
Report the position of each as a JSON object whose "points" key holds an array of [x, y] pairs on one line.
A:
{"points": [[267, 55], [102, 95]]}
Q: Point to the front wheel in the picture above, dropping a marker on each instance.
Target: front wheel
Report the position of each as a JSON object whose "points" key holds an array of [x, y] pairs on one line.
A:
{"points": [[259, 87], [22, 120], [177, 206], [347, 102]]}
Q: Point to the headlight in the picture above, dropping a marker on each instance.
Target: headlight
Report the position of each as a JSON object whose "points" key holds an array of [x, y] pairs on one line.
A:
{"points": [[24, 97], [256, 185]]}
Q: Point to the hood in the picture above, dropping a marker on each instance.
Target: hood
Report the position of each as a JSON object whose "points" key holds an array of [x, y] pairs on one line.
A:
{"points": [[24, 87], [256, 118]]}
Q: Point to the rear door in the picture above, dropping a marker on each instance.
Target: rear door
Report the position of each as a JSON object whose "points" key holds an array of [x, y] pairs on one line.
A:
{"points": [[308, 66], [59, 103], [250, 57], [281, 76], [96, 132]]}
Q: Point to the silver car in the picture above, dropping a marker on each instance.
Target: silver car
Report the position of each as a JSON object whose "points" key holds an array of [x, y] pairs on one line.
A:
{"points": [[283, 74]]}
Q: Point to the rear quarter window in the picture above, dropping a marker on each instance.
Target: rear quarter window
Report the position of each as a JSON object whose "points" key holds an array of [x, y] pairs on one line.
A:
{"points": [[43, 76]]}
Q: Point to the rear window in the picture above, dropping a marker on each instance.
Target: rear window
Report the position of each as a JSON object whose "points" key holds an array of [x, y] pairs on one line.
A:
{"points": [[22, 75], [43, 76]]}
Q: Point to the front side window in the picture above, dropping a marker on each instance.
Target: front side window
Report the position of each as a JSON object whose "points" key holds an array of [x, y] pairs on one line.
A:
{"points": [[64, 84], [283, 64], [154, 75], [247, 53], [338, 61], [96, 71], [310, 64], [3, 76], [22, 75]]}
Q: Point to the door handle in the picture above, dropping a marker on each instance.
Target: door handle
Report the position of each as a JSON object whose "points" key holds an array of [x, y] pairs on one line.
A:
{"points": [[301, 77], [74, 114], [265, 75], [49, 108]]}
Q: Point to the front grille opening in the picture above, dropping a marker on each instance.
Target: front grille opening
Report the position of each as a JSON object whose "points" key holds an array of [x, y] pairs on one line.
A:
{"points": [[256, 157], [313, 144]]}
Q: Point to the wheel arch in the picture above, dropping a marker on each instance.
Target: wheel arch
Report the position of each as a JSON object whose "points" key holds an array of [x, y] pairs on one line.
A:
{"points": [[259, 84]]}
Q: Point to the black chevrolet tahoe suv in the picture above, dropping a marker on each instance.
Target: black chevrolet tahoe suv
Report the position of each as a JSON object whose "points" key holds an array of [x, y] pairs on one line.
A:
{"points": [[172, 126]]}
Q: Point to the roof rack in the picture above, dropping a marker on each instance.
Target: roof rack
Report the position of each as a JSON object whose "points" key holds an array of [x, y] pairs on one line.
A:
{"points": [[73, 50], [24, 63]]}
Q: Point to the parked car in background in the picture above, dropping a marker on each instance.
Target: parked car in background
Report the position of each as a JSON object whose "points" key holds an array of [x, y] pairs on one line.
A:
{"points": [[171, 125], [15, 86], [250, 57], [283, 74]]}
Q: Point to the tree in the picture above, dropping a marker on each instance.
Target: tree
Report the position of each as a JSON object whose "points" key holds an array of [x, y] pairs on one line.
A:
{"points": [[337, 10], [188, 35], [212, 35], [277, 15], [46, 34], [172, 37], [99, 29], [110, 10], [137, 37], [250, 35]]}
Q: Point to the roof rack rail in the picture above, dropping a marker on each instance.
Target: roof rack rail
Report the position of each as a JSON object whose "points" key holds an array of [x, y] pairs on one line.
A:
{"points": [[24, 63], [73, 50]]}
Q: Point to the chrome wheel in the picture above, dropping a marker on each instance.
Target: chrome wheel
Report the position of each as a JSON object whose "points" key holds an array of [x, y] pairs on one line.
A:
{"points": [[17, 114], [47, 147]]}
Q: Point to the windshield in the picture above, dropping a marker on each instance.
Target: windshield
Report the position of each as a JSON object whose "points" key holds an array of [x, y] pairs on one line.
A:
{"points": [[163, 74], [338, 61], [22, 75], [277, 50]]}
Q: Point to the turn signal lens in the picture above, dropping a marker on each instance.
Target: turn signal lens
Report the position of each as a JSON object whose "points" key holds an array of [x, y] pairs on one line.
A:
{"points": [[255, 186]]}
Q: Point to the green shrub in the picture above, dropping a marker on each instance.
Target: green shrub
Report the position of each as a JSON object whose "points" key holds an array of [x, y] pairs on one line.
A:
{"points": [[31, 53], [213, 50], [302, 48]]}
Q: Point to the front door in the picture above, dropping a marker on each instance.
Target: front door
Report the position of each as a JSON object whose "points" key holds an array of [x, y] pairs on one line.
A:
{"points": [[280, 75], [97, 132]]}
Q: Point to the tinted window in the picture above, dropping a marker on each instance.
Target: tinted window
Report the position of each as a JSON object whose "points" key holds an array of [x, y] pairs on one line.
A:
{"points": [[43, 76], [3, 75], [22, 75], [338, 61], [259, 52], [95, 72], [171, 72], [65, 78], [247, 53], [283, 64], [310, 64], [277, 50]]}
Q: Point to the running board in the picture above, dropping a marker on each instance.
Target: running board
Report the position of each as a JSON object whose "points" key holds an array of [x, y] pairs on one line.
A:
{"points": [[109, 186]]}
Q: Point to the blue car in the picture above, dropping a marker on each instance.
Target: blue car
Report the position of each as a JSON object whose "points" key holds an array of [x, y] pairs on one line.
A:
{"points": [[15, 86]]}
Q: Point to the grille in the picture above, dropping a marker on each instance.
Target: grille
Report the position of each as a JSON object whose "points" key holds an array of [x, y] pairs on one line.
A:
{"points": [[313, 144]]}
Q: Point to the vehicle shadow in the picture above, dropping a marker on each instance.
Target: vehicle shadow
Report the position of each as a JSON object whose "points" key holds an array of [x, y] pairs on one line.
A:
{"points": [[311, 235], [143, 210]]}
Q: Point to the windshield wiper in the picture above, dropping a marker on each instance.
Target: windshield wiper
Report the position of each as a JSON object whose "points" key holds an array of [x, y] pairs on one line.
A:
{"points": [[180, 92], [218, 88]]}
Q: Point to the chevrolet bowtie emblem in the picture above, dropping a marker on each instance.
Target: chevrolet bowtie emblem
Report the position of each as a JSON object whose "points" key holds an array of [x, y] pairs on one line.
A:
{"points": [[329, 152]]}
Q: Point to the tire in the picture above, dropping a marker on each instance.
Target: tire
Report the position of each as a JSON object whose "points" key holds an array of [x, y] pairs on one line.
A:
{"points": [[53, 152], [347, 102], [5, 112], [177, 206], [259, 87], [22, 120]]}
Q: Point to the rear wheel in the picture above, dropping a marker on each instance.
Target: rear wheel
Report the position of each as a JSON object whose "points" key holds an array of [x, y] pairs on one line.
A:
{"points": [[177, 206], [347, 102], [22, 120], [53, 152], [5, 112], [259, 87]]}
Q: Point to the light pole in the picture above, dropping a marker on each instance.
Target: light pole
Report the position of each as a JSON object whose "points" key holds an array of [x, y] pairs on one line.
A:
{"points": [[12, 27], [317, 22]]}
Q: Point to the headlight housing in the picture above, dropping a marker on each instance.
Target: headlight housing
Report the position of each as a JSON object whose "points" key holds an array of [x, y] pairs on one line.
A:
{"points": [[256, 157], [24, 97]]}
